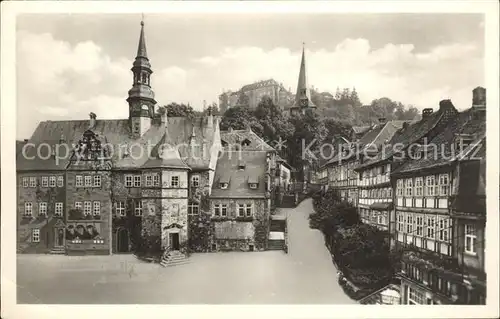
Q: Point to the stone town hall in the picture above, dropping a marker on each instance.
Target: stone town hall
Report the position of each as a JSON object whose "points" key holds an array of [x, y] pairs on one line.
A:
{"points": [[146, 177]]}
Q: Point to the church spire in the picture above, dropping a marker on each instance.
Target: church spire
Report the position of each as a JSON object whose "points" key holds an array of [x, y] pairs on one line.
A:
{"points": [[141, 98], [141, 49], [303, 95]]}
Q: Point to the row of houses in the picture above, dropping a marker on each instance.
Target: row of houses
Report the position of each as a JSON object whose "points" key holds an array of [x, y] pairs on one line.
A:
{"points": [[424, 183], [101, 186]]}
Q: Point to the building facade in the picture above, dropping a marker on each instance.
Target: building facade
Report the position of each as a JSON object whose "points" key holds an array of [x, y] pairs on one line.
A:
{"points": [[254, 94], [442, 245], [148, 179]]}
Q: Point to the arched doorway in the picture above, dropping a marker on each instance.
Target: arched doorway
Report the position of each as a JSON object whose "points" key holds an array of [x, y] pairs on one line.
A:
{"points": [[122, 240]]}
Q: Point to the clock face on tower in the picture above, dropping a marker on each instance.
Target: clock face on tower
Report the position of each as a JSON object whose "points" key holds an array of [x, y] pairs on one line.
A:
{"points": [[145, 107], [303, 102]]}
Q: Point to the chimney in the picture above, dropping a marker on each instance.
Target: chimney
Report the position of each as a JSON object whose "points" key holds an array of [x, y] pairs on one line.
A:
{"points": [[93, 118], [210, 119], [249, 128], [230, 129], [479, 97], [405, 125], [382, 120], [427, 112], [445, 104], [204, 105], [164, 119]]}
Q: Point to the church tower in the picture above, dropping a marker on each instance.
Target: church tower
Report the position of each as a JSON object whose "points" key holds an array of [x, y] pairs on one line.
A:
{"points": [[141, 98], [303, 95]]}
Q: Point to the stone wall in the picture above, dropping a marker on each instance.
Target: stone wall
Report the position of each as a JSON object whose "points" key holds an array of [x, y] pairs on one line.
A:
{"points": [[35, 195], [101, 222], [240, 233]]}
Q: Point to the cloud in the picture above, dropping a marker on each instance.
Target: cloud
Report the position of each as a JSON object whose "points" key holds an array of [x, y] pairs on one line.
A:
{"points": [[59, 80]]}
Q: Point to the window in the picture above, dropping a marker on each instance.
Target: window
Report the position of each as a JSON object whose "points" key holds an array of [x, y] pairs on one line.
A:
{"points": [[60, 181], [217, 210], [58, 209], [28, 209], [389, 192], [443, 229], [419, 186], [52, 181], [128, 181], [470, 239], [156, 180], [45, 181], [253, 185], [241, 210], [443, 184], [409, 187], [420, 225], [32, 181], [42, 208], [97, 180], [88, 181], [195, 180], [415, 297], [120, 208], [193, 209], [79, 181], [429, 186], [138, 207], [401, 222], [137, 181], [409, 223], [149, 180], [223, 185], [87, 208], [174, 181], [78, 205], [97, 208], [25, 182], [399, 187], [248, 209], [224, 210], [431, 224], [35, 235]]}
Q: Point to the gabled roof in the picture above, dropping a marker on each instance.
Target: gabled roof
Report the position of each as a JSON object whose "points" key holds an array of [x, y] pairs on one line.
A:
{"points": [[360, 129], [375, 137], [126, 152], [413, 131], [260, 84], [227, 168], [462, 123], [236, 137]]}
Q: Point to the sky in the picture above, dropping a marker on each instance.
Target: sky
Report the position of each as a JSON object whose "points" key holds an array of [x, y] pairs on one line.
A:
{"points": [[69, 65]]}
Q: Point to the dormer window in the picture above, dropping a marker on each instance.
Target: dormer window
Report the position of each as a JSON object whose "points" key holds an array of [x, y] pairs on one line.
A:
{"points": [[241, 166], [253, 182], [462, 141], [224, 185], [246, 143]]}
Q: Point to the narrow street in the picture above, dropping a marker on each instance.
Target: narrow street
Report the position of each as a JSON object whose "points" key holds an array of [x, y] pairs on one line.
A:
{"points": [[305, 275]]}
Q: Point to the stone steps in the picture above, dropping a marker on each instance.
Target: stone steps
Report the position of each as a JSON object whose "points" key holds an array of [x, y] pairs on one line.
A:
{"points": [[274, 244], [58, 251], [174, 258]]}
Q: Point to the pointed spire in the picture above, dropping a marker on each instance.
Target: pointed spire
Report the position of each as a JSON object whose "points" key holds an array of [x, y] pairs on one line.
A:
{"points": [[141, 49], [303, 95]]}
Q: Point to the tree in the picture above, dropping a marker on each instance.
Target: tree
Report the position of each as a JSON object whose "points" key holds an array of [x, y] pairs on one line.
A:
{"points": [[176, 110], [213, 109], [354, 98], [271, 118], [239, 118], [243, 100]]}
